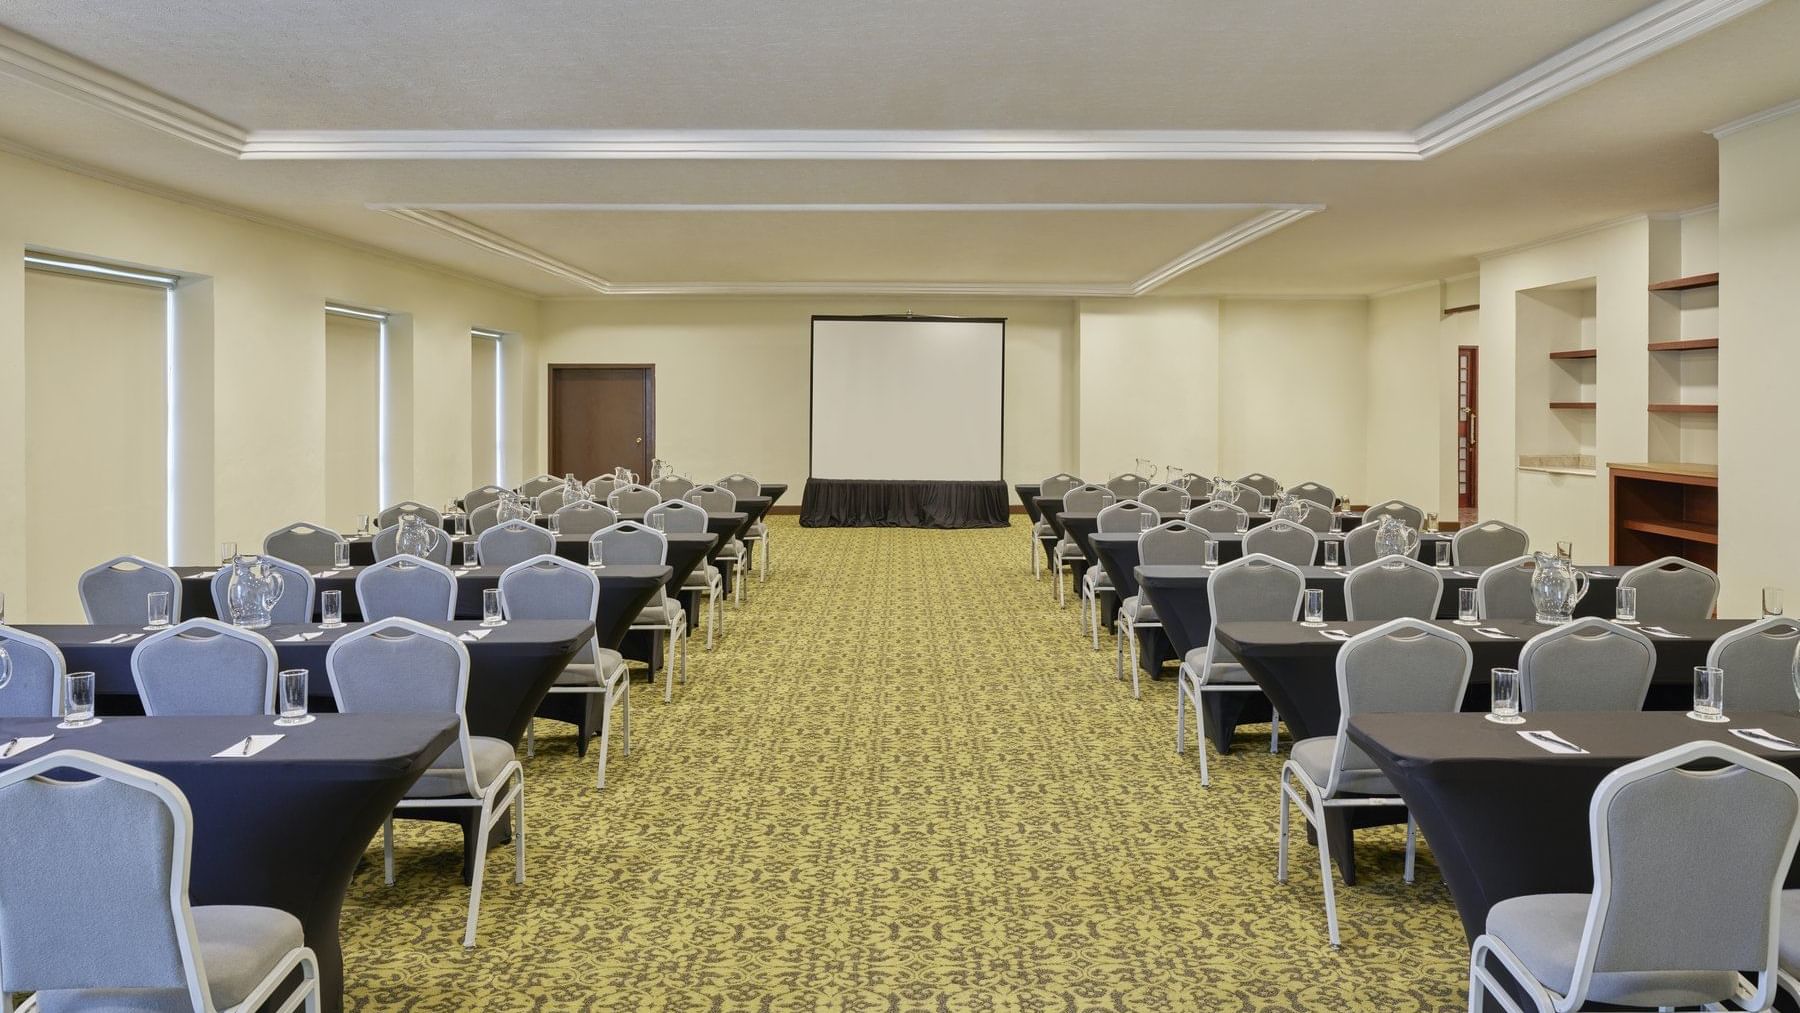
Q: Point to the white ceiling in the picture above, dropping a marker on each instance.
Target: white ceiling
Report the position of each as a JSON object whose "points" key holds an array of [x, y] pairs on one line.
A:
{"points": [[1372, 102]]}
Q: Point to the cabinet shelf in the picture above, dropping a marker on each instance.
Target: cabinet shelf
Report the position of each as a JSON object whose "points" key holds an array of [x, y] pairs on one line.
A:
{"points": [[1572, 406], [1689, 345], [1685, 409], [1683, 284], [1687, 531], [1576, 353], [1663, 509]]}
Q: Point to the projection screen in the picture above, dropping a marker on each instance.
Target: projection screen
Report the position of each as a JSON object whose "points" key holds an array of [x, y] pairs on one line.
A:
{"points": [[907, 398]]}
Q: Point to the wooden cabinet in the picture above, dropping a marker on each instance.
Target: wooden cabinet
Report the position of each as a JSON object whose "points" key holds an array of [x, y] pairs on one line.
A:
{"points": [[1664, 509]]}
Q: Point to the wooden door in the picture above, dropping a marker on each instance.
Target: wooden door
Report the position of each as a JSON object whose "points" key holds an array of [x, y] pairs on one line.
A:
{"points": [[1468, 432], [602, 417]]}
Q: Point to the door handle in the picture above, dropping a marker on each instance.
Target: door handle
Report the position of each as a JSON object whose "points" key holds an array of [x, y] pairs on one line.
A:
{"points": [[640, 441], [1472, 428]]}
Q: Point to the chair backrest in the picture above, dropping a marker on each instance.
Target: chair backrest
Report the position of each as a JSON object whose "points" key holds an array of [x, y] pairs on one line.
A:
{"points": [[534, 486], [512, 542], [1671, 589], [94, 889], [386, 541], [1313, 492], [1393, 588], [1167, 500], [1359, 544], [304, 544], [1402, 666], [1173, 543], [113, 593], [1125, 516], [1241, 496], [1399, 508], [551, 587], [1503, 590], [678, 516], [1761, 663], [407, 586], [1252, 588], [1128, 485], [1088, 499], [668, 487], [550, 500], [713, 499], [740, 485], [631, 543], [484, 517], [295, 604], [38, 670], [1587, 665], [1196, 486], [633, 499], [585, 517], [475, 499], [399, 666], [1263, 484], [1316, 518], [1671, 891], [602, 486], [1058, 485], [1217, 516], [204, 666], [392, 514], [1283, 540], [1487, 543]]}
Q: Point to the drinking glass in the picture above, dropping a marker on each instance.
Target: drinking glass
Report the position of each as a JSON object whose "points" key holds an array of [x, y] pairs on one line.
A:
{"points": [[1466, 612], [340, 555], [1431, 522], [555, 524], [78, 701], [227, 552], [1331, 553], [1212, 553], [1771, 602], [1337, 522], [5, 668], [1315, 607], [594, 559], [659, 522], [1268, 504], [1709, 694], [1505, 706], [459, 525], [362, 524], [471, 554], [291, 692], [331, 609], [157, 604], [1443, 554], [1243, 523], [490, 607], [1625, 606], [1145, 521], [1565, 550]]}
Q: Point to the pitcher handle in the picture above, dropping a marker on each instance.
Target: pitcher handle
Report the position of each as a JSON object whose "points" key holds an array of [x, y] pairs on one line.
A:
{"points": [[1581, 587], [279, 583]]}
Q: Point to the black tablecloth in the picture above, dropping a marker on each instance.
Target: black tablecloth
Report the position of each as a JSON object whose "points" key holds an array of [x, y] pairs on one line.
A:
{"points": [[855, 503], [284, 828], [685, 551], [1505, 818]]}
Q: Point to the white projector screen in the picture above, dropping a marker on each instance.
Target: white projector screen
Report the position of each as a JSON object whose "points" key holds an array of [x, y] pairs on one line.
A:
{"points": [[907, 398]]}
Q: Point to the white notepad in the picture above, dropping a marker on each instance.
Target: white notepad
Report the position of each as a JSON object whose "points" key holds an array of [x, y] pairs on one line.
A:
{"points": [[257, 743]]}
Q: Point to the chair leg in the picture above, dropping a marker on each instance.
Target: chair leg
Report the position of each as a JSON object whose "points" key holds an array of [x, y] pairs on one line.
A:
{"points": [[1412, 846], [762, 572], [1331, 919], [1200, 737], [481, 847], [519, 833], [1274, 732], [1181, 692], [530, 739], [625, 727], [1121, 630], [683, 646], [387, 851], [606, 713], [1281, 835], [1060, 603], [1136, 663], [668, 683], [708, 605]]}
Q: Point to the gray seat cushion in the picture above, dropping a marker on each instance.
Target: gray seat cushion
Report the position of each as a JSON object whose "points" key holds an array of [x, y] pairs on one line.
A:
{"points": [[758, 530], [660, 615], [1042, 529], [1790, 931], [1545, 931], [1224, 672], [1140, 610], [581, 674], [491, 756], [1096, 578], [1314, 757], [700, 578], [239, 946]]}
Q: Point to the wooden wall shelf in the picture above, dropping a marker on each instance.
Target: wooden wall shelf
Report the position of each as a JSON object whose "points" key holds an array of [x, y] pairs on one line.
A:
{"points": [[1576, 353], [1685, 409], [1572, 406], [1664, 509], [1684, 530], [1683, 284], [1689, 345], [1472, 307]]}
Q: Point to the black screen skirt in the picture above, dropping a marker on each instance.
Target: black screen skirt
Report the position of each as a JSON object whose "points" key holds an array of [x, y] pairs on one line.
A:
{"points": [[857, 503]]}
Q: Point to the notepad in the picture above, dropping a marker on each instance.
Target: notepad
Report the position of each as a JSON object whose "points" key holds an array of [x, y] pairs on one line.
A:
{"points": [[9, 750], [1550, 742], [473, 635], [1766, 739], [249, 746], [300, 637]]}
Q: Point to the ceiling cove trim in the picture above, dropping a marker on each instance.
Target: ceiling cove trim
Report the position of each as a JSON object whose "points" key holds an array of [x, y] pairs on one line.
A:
{"points": [[1221, 244], [494, 242], [1755, 119], [1005, 206]]}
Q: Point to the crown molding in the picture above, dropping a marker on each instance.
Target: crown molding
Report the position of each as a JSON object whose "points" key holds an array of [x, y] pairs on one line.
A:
{"points": [[1223, 243], [1755, 119], [494, 242], [1561, 237], [1006, 206]]}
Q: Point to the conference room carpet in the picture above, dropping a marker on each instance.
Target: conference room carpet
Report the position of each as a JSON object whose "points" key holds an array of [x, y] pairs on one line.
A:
{"points": [[902, 782]]}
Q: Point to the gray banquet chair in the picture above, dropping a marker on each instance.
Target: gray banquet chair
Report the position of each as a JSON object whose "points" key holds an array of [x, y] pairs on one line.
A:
{"points": [[632, 500], [204, 666], [484, 517], [1393, 587], [398, 666], [1396, 508], [584, 517], [1762, 668], [303, 544], [538, 484], [409, 587], [1083, 499], [1197, 486], [1586, 665], [1043, 536], [1283, 540], [1687, 872], [1406, 666], [1218, 517], [550, 587], [743, 486], [514, 541], [1251, 589], [634, 543], [94, 908], [668, 487], [1317, 519], [1167, 500], [475, 499], [1672, 589], [1128, 485], [681, 517], [391, 516], [38, 672], [295, 604], [1171, 543], [1127, 516], [1316, 494], [385, 545], [1263, 484], [717, 500], [1359, 545], [114, 593], [1503, 591], [551, 500], [1489, 542], [1244, 497], [601, 486]]}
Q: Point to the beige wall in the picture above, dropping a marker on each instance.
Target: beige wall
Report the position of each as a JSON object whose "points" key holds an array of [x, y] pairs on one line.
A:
{"points": [[1409, 436], [483, 371], [352, 421], [1759, 357], [1148, 386]]}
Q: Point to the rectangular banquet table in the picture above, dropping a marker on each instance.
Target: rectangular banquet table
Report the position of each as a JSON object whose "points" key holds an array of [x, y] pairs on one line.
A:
{"points": [[511, 667], [284, 828], [1505, 818], [686, 550]]}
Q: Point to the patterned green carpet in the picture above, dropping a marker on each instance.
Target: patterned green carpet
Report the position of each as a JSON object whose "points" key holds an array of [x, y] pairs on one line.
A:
{"points": [[901, 782]]}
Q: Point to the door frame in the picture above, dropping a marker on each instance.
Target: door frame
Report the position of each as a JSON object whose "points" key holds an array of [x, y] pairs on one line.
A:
{"points": [[1470, 426], [649, 369]]}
